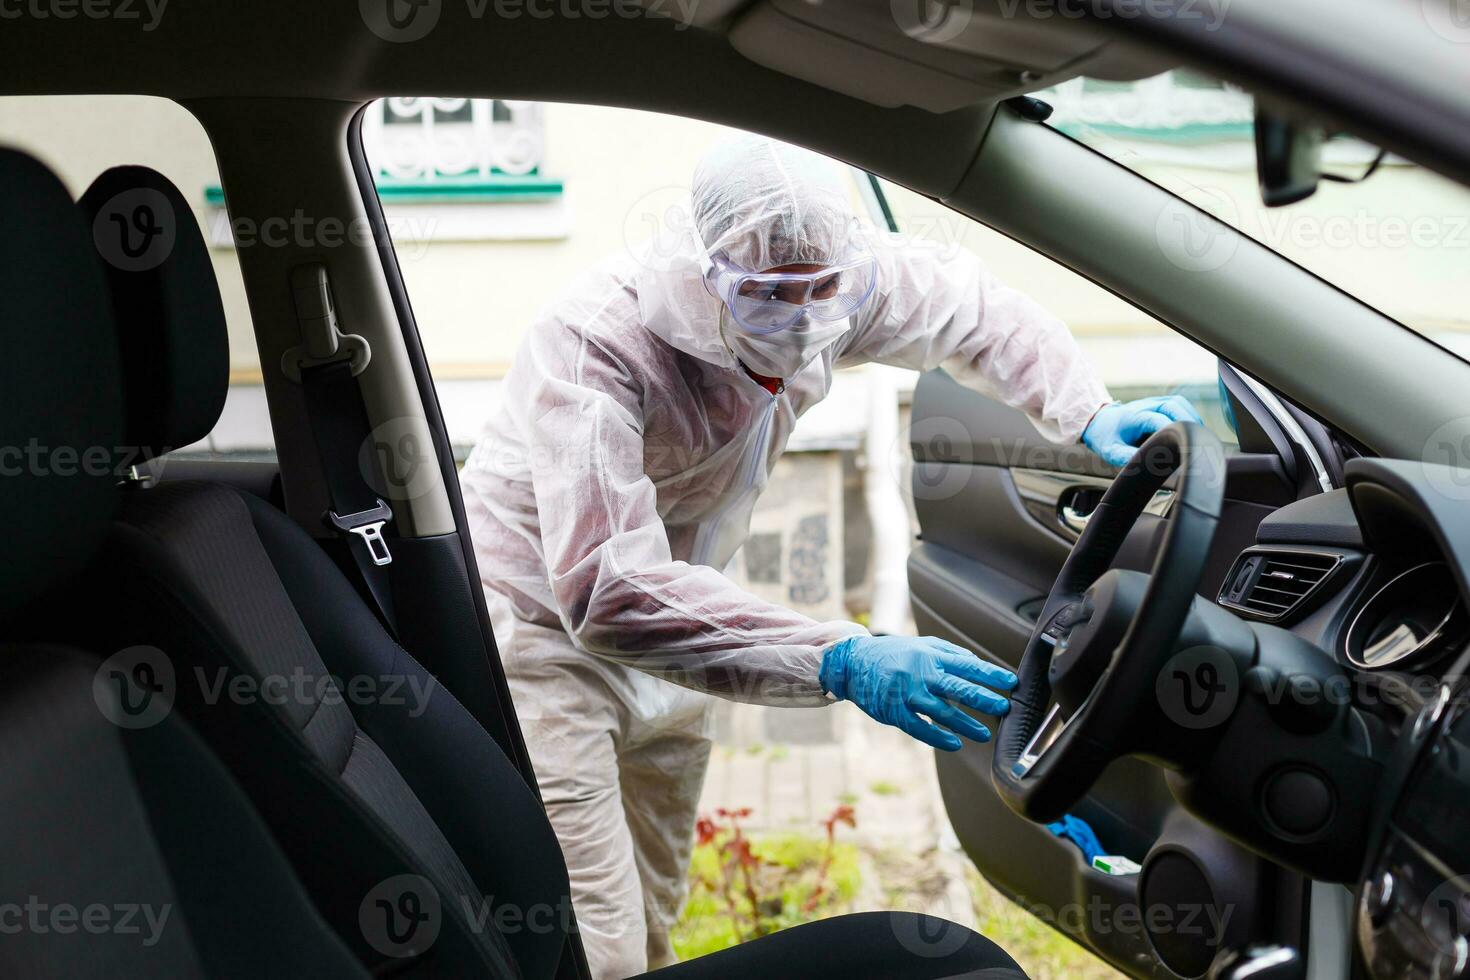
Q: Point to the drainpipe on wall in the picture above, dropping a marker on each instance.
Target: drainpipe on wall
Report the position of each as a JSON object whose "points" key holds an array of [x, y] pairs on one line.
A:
{"points": [[886, 511], [882, 478]]}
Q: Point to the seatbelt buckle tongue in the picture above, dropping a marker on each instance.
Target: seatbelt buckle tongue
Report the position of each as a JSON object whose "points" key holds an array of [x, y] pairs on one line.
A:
{"points": [[367, 525]]}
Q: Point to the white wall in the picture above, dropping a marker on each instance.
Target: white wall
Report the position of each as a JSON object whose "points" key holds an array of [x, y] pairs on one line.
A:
{"points": [[1401, 241]]}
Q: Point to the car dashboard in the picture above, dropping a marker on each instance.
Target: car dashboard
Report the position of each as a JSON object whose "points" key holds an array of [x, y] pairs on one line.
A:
{"points": [[1375, 574]]}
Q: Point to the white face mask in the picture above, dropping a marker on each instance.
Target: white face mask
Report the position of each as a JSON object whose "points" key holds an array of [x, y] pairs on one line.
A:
{"points": [[781, 353]]}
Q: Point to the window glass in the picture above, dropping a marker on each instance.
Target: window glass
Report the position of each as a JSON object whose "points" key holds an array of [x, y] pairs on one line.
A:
{"points": [[1399, 241]]}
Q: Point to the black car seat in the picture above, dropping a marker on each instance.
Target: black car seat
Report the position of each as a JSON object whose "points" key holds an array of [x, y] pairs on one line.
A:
{"points": [[370, 772], [128, 850]]}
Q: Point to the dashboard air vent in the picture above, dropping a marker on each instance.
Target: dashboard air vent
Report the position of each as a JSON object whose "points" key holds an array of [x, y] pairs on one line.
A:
{"points": [[1274, 584]]}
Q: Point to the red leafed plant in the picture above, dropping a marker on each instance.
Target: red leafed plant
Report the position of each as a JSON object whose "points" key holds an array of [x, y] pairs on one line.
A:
{"points": [[843, 814], [755, 890]]}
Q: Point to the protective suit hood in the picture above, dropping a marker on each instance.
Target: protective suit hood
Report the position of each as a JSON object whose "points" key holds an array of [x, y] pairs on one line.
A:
{"points": [[757, 204]]}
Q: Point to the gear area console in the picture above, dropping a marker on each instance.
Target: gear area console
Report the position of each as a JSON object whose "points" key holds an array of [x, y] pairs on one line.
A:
{"points": [[1413, 908]]}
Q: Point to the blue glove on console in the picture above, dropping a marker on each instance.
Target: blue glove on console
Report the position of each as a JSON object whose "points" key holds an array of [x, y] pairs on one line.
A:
{"points": [[1120, 428], [895, 679]]}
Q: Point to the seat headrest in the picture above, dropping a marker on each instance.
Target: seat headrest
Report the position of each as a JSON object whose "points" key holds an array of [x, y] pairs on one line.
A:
{"points": [[61, 424], [165, 299]]}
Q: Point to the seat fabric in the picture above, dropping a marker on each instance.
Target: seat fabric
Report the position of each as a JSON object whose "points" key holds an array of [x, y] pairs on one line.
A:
{"points": [[131, 852]]}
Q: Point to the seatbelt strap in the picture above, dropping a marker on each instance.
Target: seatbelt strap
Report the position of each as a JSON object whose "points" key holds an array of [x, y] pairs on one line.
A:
{"points": [[339, 424]]}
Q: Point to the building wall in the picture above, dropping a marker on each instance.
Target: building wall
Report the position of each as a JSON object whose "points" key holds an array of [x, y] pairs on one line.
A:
{"points": [[479, 271]]}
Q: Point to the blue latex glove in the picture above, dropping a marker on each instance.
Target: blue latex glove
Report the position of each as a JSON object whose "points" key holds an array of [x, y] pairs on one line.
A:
{"points": [[1079, 832], [897, 678], [1120, 428]]}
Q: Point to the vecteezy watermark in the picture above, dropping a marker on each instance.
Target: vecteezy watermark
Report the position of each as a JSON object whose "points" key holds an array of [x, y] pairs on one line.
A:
{"points": [[148, 14], [1363, 229], [933, 21], [36, 458], [1100, 917], [135, 687], [658, 229], [1196, 235], [40, 918], [1198, 687], [936, 440], [398, 459], [405, 21], [938, 21], [135, 230], [410, 235], [1450, 19], [1445, 913], [928, 936], [302, 687], [138, 687], [401, 916], [1446, 459]]}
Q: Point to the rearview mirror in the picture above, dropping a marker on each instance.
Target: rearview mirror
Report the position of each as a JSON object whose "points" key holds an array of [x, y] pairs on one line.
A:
{"points": [[1288, 157]]}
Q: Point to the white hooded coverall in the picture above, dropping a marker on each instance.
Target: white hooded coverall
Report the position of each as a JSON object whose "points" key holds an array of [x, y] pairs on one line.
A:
{"points": [[618, 477]]}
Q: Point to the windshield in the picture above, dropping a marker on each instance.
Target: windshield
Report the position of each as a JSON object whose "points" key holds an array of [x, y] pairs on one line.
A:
{"points": [[1399, 241]]}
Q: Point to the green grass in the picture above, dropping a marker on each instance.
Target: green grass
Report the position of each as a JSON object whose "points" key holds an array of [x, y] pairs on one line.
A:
{"points": [[884, 788]]}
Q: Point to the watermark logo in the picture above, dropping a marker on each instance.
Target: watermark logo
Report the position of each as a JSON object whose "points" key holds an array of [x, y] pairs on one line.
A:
{"points": [[1450, 19], [931, 21], [401, 916], [1445, 914], [399, 456], [400, 21], [1196, 235], [927, 936], [934, 441], [403, 21], [1212, 12], [135, 688], [135, 230], [1198, 687], [658, 229], [1446, 459], [41, 918], [147, 13]]}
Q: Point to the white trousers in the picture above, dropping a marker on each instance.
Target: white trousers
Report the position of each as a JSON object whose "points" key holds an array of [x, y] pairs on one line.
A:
{"points": [[622, 791]]}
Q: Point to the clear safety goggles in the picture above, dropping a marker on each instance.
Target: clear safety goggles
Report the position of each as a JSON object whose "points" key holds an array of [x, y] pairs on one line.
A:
{"points": [[764, 302]]}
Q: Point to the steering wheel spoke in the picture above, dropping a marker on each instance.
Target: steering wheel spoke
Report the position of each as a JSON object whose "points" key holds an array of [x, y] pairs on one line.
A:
{"points": [[1051, 729]]}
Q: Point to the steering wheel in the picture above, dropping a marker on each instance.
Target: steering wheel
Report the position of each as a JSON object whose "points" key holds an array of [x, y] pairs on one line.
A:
{"points": [[1086, 685]]}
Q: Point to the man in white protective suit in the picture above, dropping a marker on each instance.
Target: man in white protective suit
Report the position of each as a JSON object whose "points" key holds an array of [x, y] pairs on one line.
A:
{"points": [[616, 480]]}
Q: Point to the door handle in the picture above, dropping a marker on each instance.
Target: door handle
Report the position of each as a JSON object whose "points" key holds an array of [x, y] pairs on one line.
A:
{"points": [[1072, 519], [1075, 506], [1064, 502]]}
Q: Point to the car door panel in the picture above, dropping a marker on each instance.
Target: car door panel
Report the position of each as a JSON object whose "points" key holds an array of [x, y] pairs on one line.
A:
{"points": [[989, 494]]}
